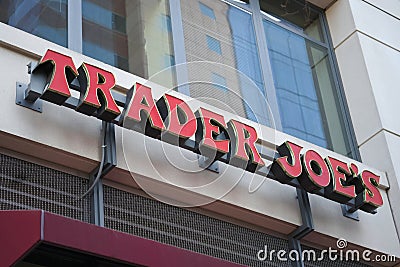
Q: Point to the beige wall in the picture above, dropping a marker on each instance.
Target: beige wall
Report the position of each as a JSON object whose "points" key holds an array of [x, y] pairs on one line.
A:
{"points": [[366, 37]]}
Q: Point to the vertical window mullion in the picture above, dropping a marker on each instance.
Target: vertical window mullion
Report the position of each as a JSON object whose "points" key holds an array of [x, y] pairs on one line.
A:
{"points": [[74, 22], [266, 68], [178, 40]]}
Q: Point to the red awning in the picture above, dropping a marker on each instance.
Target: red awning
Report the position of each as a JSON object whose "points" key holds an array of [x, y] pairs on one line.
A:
{"points": [[23, 231]]}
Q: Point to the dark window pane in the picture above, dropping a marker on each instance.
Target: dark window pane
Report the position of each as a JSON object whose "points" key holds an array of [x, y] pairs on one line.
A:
{"points": [[169, 60], [207, 11], [134, 35], [227, 46], [219, 82], [104, 39], [214, 44], [329, 101], [43, 18], [299, 14], [305, 89], [166, 23]]}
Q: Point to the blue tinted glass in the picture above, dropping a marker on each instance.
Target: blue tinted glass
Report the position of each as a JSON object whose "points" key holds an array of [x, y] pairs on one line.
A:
{"points": [[233, 31], [166, 23], [207, 11], [299, 107], [169, 60], [135, 36], [214, 44], [219, 82], [104, 32], [43, 18], [95, 50], [103, 17], [247, 62], [97, 14]]}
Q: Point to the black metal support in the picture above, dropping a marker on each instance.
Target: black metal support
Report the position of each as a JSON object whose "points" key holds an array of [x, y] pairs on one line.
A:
{"points": [[294, 244], [111, 150], [303, 230], [97, 202], [208, 163], [23, 99], [110, 161], [28, 95], [350, 212]]}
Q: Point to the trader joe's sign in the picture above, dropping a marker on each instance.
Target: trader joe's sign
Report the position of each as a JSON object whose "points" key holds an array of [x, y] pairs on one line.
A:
{"points": [[232, 142]]}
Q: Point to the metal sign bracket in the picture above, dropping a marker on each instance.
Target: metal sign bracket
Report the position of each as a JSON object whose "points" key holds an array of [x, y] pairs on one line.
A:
{"points": [[22, 99]]}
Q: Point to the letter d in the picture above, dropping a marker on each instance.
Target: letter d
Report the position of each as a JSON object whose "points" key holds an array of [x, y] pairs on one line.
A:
{"points": [[259, 254]]}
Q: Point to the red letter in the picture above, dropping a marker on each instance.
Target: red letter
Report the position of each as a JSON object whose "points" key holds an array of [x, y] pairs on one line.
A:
{"points": [[62, 71], [370, 198], [337, 190], [208, 130], [94, 80], [179, 118], [243, 151], [316, 173], [136, 119], [288, 166]]}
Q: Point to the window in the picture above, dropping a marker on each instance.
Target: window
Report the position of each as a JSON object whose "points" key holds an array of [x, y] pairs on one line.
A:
{"points": [[239, 62], [299, 70], [214, 44], [206, 11], [166, 23], [269, 64], [300, 17], [219, 82], [295, 89], [133, 35], [169, 60], [104, 32], [112, 19], [43, 18], [304, 84]]}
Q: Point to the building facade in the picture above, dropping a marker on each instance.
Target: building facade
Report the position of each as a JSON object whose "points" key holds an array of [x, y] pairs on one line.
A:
{"points": [[82, 184]]}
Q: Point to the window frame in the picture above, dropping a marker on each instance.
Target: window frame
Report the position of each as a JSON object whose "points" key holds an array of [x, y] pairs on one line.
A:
{"points": [[203, 8], [74, 41], [214, 44]]}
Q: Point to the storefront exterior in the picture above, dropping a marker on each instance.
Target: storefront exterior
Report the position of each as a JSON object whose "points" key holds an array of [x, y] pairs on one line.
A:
{"points": [[258, 133]]}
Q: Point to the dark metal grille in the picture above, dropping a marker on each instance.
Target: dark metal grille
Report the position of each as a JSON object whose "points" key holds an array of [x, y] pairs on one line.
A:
{"points": [[25, 185], [186, 229]]}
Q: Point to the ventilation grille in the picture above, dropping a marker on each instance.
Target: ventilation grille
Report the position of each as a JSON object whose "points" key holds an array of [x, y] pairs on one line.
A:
{"points": [[24, 185], [154, 220]]}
